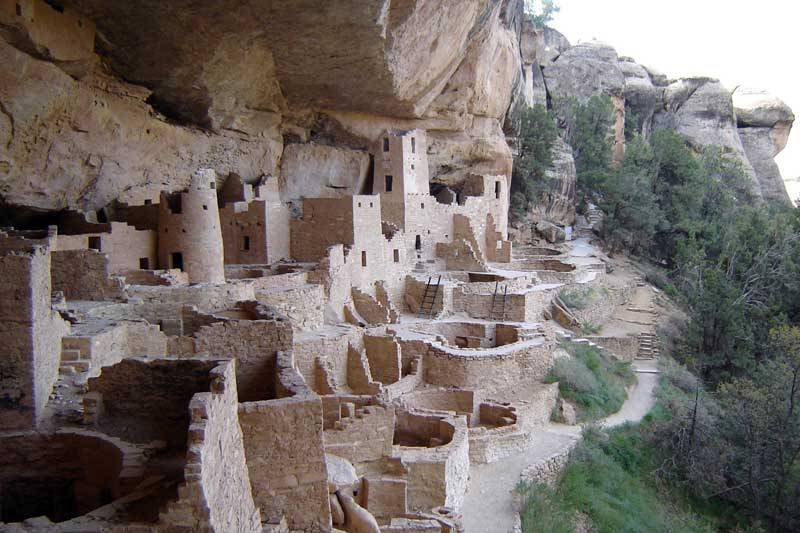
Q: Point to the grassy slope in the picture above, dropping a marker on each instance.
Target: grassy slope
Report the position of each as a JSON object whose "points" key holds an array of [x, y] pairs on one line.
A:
{"points": [[610, 483]]}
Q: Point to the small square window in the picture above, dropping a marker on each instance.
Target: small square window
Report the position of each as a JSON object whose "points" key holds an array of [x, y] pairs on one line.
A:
{"points": [[144, 263], [148, 202], [205, 208], [94, 243], [213, 185]]}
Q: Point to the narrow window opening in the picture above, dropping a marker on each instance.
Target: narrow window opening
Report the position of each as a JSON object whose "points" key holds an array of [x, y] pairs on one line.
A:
{"points": [[396, 255], [497, 188], [144, 263], [370, 204], [359, 204], [176, 260], [386, 144], [413, 145], [412, 166], [245, 243], [101, 216], [94, 243], [389, 180], [175, 203], [213, 184], [19, 10], [422, 206], [418, 243], [363, 259]]}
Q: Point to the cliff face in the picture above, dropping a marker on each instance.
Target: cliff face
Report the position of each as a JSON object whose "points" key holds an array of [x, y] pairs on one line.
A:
{"points": [[112, 100], [750, 126]]}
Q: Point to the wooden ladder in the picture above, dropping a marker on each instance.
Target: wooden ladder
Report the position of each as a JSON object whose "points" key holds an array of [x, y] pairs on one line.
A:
{"points": [[429, 298], [498, 311]]}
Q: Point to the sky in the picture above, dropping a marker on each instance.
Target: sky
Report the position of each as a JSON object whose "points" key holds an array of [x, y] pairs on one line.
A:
{"points": [[753, 44]]}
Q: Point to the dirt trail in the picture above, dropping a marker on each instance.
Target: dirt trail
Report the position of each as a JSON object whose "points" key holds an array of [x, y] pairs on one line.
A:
{"points": [[488, 503]]}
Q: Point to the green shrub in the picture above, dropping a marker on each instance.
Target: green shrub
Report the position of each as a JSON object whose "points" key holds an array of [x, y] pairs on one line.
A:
{"points": [[592, 381], [589, 328], [578, 298], [544, 511]]}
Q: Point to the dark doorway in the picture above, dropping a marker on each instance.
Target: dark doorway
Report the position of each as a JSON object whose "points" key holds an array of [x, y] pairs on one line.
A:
{"points": [[245, 243], [177, 260], [144, 263]]}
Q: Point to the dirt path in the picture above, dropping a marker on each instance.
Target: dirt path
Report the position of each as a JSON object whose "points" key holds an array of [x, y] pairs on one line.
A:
{"points": [[488, 503]]}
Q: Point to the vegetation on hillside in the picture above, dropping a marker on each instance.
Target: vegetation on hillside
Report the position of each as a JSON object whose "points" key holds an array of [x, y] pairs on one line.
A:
{"points": [[592, 381], [529, 180], [728, 439], [541, 16]]}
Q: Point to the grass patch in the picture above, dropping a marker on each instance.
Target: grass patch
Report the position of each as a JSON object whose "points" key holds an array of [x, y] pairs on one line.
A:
{"points": [[578, 298], [594, 382], [611, 481], [588, 328]]}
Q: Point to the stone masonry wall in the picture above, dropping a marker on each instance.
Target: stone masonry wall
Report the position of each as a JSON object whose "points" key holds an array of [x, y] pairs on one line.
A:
{"points": [[31, 334], [304, 305], [215, 495], [285, 457], [85, 275], [492, 370]]}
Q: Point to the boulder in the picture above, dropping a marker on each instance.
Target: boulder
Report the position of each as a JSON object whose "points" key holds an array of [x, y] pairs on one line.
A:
{"points": [[550, 232], [557, 202], [542, 45], [641, 96], [358, 519], [701, 111], [341, 473], [565, 413], [584, 70], [764, 122]]}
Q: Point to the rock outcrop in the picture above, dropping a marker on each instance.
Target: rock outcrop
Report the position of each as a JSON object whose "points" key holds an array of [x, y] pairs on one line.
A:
{"points": [[764, 122], [252, 88], [701, 111], [557, 202]]}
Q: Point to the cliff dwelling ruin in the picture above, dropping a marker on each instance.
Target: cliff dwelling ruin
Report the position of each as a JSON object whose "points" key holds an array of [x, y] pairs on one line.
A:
{"points": [[249, 289]]}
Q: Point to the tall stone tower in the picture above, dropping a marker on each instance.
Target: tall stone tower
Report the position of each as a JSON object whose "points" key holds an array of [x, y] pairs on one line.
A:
{"points": [[189, 234], [401, 169]]}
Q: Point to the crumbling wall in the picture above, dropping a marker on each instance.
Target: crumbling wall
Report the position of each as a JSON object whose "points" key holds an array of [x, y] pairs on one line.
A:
{"points": [[285, 456], [216, 494], [363, 435], [255, 344], [85, 275], [146, 400], [31, 333], [304, 305], [383, 354]]}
